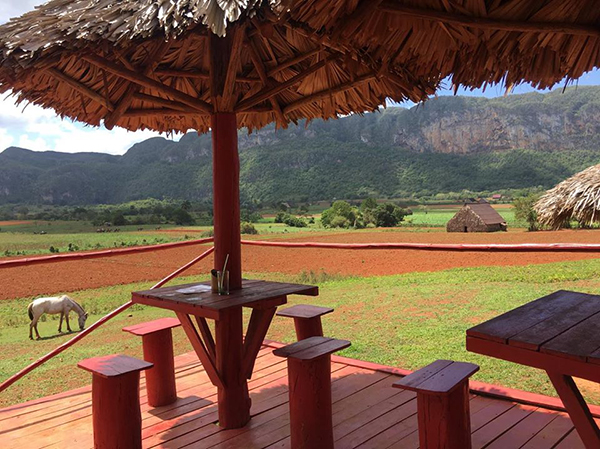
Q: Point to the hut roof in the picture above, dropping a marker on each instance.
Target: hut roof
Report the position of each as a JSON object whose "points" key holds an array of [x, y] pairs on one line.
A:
{"points": [[148, 63], [575, 198], [486, 212]]}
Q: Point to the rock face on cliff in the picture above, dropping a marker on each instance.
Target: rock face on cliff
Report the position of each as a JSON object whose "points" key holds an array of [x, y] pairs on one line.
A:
{"points": [[448, 144]]}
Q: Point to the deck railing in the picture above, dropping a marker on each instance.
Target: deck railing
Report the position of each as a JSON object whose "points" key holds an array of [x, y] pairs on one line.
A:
{"points": [[523, 247]]}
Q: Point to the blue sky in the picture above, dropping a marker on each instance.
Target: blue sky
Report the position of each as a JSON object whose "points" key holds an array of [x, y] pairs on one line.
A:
{"points": [[40, 130]]}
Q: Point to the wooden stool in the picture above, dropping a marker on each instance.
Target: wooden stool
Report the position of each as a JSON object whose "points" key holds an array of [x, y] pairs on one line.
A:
{"points": [[442, 403], [307, 319], [309, 375], [116, 412], [157, 341]]}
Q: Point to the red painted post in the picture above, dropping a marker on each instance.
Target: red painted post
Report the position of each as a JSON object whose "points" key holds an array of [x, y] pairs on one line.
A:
{"points": [[160, 379], [308, 327], [310, 403], [444, 420], [116, 411], [234, 399], [226, 196]]}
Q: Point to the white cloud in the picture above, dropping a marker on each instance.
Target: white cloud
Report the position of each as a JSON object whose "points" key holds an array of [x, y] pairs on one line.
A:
{"points": [[38, 129]]}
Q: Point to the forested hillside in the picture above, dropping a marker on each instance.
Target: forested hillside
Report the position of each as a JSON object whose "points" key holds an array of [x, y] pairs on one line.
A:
{"points": [[448, 144]]}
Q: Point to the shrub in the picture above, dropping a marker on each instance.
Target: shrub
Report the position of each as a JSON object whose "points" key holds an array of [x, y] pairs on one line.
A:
{"points": [[388, 215], [524, 211], [341, 215], [182, 217], [290, 220], [248, 228]]}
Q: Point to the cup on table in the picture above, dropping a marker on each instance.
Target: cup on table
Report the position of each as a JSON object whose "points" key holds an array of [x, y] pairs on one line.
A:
{"points": [[223, 282]]}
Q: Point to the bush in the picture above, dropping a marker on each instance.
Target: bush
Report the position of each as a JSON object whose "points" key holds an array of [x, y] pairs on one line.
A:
{"points": [[341, 215], [290, 220], [524, 211], [248, 228], [388, 215], [182, 217]]}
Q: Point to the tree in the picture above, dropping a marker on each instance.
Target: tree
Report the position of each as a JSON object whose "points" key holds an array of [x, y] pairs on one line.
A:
{"points": [[348, 216], [388, 215], [182, 217], [524, 211]]}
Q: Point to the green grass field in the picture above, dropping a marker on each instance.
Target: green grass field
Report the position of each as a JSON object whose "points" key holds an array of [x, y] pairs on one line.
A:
{"points": [[404, 320], [24, 239]]}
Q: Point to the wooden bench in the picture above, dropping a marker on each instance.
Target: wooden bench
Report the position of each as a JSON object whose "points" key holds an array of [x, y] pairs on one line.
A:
{"points": [[307, 319], [309, 376], [157, 341], [116, 415], [442, 403]]}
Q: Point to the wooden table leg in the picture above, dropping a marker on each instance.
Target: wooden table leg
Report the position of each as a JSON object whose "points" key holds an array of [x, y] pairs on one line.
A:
{"points": [[577, 409], [233, 397]]}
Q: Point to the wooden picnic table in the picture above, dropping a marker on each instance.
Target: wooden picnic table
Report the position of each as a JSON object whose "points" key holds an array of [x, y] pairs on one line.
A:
{"points": [[228, 358], [559, 333]]}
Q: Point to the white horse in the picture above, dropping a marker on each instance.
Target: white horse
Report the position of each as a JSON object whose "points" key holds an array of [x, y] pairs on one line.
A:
{"points": [[58, 304]]}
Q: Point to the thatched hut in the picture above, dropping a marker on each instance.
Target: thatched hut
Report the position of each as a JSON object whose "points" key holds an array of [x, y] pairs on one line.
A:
{"points": [[577, 198], [476, 216]]}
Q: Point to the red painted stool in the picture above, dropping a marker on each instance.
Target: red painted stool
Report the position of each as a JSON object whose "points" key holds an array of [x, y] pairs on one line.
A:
{"points": [[116, 400], [442, 403], [307, 319], [309, 375], [157, 340]]}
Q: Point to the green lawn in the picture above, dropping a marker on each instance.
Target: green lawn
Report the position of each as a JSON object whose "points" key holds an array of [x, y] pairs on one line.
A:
{"points": [[439, 217], [404, 320]]}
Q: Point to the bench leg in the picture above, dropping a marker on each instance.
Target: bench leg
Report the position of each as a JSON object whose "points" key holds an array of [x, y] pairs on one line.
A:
{"points": [[308, 327], [444, 421], [116, 411], [311, 423], [160, 379]]}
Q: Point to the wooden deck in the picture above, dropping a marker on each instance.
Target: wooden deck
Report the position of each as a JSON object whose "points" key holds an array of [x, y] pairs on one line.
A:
{"points": [[368, 413]]}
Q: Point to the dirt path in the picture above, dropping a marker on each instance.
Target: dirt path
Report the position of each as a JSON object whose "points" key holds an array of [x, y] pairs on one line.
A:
{"points": [[48, 279]]}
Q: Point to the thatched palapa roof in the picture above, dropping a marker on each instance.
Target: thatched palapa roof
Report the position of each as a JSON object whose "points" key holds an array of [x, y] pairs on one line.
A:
{"points": [[577, 198], [155, 63]]}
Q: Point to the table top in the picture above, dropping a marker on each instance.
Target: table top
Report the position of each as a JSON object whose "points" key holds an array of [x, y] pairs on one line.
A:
{"points": [[198, 299], [564, 324]]}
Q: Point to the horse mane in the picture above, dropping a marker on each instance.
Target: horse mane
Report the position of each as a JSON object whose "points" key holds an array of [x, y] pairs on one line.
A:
{"points": [[81, 310]]}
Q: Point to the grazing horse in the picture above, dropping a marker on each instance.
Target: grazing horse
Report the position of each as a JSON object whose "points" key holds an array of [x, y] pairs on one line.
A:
{"points": [[58, 304]]}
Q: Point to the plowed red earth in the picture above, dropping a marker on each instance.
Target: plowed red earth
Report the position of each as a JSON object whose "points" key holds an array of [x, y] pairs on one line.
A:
{"points": [[53, 278]]}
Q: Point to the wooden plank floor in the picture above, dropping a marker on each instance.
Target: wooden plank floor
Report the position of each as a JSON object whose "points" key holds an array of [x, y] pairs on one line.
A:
{"points": [[368, 413]]}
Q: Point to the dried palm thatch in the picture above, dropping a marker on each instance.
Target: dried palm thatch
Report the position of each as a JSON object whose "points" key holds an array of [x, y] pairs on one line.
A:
{"points": [[157, 64], [577, 198]]}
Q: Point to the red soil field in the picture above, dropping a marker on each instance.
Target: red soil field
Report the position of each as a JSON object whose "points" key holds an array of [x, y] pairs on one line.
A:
{"points": [[46, 279], [14, 222]]}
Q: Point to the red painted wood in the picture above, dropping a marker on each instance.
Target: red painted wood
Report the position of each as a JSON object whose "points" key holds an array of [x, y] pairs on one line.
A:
{"points": [[577, 409], [260, 320], [444, 420], [308, 327], [523, 247], [160, 379], [311, 424], [441, 382], [100, 254], [150, 327], [233, 398], [571, 367], [304, 311], [226, 196], [116, 413], [113, 365], [208, 362]]}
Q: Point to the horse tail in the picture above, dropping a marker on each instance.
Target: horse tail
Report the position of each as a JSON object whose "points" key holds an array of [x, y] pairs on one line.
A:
{"points": [[29, 312]]}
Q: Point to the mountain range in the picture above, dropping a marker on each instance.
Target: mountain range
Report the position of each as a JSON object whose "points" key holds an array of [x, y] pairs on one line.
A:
{"points": [[445, 145]]}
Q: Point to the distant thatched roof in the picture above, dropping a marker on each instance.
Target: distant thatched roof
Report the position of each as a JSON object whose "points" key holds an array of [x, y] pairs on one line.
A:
{"points": [[576, 198], [148, 64]]}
